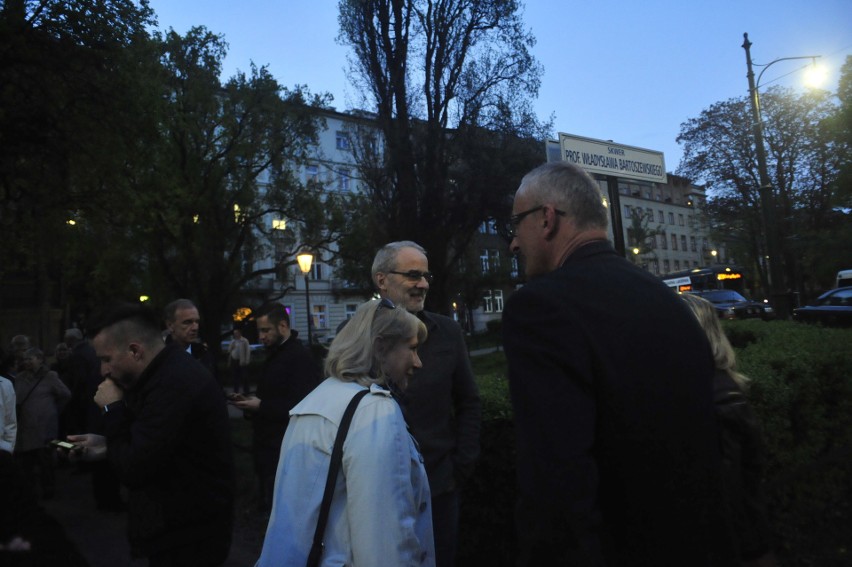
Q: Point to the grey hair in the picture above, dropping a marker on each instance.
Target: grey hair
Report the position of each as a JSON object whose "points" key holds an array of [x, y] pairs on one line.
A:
{"points": [[570, 189], [385, 259], [358, 350], [172, 308]]}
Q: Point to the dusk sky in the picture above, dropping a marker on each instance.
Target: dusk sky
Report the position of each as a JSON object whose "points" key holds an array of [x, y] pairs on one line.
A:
{"points": [[630, 72]]}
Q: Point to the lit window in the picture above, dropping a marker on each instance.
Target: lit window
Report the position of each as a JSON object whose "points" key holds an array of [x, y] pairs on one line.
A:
{"points": [[320, 316]]}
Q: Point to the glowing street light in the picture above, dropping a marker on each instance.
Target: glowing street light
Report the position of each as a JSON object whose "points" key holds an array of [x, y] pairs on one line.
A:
{"points": [[305, 258]]}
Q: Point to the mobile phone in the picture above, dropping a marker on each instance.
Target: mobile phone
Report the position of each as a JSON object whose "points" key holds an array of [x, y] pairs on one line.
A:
{"points": [[65, 445]]}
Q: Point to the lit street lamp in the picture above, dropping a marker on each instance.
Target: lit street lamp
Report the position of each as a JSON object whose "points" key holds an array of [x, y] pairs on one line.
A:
{"points": [[305, 259], [767, 201]]}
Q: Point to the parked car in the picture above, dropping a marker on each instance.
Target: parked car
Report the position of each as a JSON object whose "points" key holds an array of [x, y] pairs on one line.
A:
{"points": [[832, 308], [731, 305]]}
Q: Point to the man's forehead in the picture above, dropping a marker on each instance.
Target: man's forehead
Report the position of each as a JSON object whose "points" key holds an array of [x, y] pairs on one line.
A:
{"points": [[411, 257], [186, 314]]}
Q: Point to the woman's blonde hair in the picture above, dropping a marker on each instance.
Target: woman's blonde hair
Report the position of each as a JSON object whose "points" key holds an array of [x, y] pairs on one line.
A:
{"points": [[723, 352], [358, 350]]}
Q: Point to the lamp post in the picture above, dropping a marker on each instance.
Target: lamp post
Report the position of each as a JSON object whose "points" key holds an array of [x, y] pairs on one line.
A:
{"points": [[767, 198], [305, 259]]}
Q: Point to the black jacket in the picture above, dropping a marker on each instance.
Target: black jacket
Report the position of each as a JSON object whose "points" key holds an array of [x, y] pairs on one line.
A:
{"points": [[170, 444], [611, 380], [289, 374]]}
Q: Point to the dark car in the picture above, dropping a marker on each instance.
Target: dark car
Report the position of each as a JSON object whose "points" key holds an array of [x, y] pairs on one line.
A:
{"points": [[731, 305], [832, 308]]}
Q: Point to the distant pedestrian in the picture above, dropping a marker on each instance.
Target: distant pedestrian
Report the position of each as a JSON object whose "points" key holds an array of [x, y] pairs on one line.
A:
{"points": [[41, 396], [239, 358], [183, 323], [8, 413], [289, 374]]}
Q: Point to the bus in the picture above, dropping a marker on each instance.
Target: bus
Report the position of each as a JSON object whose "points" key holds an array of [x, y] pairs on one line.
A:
{"points": [[700, 279]]}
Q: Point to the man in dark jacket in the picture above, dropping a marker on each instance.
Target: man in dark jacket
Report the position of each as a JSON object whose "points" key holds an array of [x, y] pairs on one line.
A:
{"points": [[441, 403], [611, 381], [166, 433], [289, 374], [183, 322]]}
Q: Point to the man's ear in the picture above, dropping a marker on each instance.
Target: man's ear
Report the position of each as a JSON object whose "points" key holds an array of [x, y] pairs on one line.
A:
{"points": [[380, 280]]}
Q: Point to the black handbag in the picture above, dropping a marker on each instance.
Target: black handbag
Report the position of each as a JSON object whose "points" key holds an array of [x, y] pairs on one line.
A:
{"points": [[334, 466]]}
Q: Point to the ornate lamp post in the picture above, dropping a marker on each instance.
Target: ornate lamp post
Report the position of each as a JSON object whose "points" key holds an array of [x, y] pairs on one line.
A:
{"points": [[767, 199], [305, 258]]}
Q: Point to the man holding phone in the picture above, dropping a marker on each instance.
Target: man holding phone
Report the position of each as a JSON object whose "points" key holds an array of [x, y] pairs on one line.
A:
{"points": [[166, 433]]}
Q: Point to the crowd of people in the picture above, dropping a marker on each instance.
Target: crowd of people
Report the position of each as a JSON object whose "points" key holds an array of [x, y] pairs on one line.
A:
{"points": [[619, 461]]}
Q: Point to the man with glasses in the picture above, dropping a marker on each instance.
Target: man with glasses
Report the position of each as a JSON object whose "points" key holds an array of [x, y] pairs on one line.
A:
{"points": [[611, 384], [441, 403]]}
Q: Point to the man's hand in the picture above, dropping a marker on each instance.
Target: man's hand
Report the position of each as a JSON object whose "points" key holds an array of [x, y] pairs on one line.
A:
{"points": [[251, 403], [108, 392], [93, 447]]}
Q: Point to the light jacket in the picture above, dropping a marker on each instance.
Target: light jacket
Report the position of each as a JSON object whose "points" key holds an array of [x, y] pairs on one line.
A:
{"points": [[381, 511]]}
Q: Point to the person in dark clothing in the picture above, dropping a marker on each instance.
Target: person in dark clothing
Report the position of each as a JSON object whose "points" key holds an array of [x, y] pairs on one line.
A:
{"points": [[85, 369], [741, 442], [183, 322], [441, 404], [618, 458], [166, 433], [29, 536], [289, 374]]}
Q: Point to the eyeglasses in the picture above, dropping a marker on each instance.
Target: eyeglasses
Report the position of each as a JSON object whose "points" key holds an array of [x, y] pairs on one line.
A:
{"points": [[414, 275], [515, 220]]}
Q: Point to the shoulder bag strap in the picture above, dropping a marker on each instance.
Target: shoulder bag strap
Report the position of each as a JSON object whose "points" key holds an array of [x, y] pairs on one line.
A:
{"points": [[333, 468]]}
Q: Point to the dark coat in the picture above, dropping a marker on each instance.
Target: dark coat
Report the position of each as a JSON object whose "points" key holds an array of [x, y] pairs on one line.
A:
{"points": [[289, 374], [611, 380], [743, 467], [171, 447], [441, 405]]}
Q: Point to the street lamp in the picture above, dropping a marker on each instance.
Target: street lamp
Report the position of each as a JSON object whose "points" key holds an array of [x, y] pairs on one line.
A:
{"points": [[305, 259], [767, 202]]}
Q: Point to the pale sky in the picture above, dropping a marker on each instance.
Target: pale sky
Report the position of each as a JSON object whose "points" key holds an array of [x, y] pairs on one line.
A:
{"points": [[630, 72]]}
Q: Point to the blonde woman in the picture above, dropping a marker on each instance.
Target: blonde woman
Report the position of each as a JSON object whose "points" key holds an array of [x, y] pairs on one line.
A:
{"points": [[380, 512], [741, 442]]}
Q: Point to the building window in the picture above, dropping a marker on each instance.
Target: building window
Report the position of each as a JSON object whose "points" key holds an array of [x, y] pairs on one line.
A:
{"points": [[674, 242], [665, 266], [677, 265], [683, 242], [661, 217], [311, 173], [350, 309], [341, 140], [680, 219], [317, 270], [490, 260], [320, 316], [671, 218], [692, 244], [492, 301], [343, 180], [664, 244], [650, 213], [656, 264], [627, 211]]}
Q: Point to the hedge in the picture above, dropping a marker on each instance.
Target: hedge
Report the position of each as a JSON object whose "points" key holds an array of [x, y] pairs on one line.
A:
{"points": [[801, 388]]}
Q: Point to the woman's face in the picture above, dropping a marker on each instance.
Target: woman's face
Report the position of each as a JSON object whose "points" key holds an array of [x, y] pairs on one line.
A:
{"points": [[400, 362]]}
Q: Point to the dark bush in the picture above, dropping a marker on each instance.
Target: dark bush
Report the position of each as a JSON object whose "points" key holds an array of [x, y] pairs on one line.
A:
{"points": [[801, 388]]}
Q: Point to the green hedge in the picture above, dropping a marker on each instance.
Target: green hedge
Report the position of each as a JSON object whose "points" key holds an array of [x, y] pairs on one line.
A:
{"points": [[801, 388]]}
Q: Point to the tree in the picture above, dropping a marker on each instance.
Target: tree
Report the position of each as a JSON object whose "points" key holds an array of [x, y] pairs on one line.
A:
{"points": [[221, 172], [72, 76], [803, 159], [451, 83]]}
